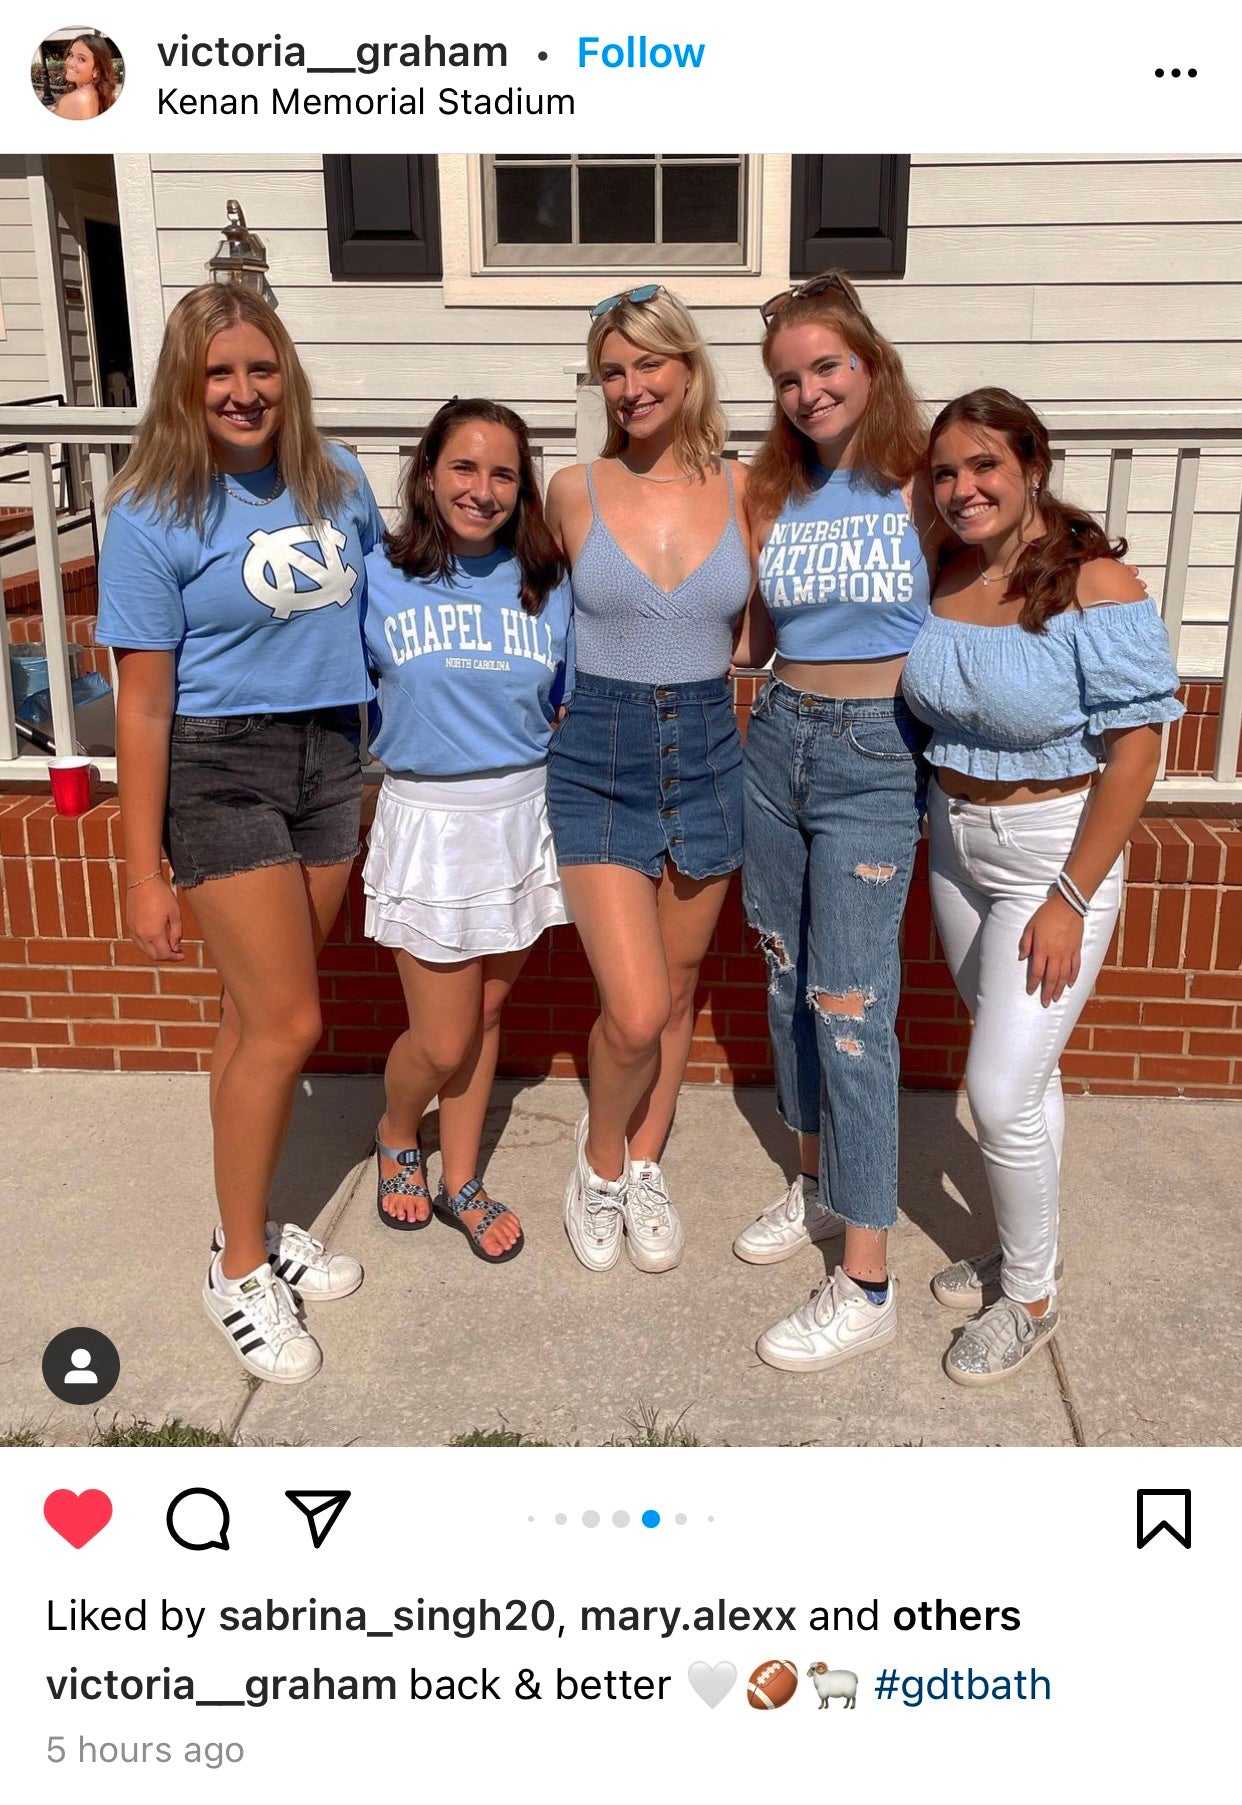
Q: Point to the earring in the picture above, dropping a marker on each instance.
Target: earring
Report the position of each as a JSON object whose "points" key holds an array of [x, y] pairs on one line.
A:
{"points": [[853, 361]]}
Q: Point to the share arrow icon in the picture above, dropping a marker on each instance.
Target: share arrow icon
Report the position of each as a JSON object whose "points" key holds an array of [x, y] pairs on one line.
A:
{"points": [[321, 1509]]}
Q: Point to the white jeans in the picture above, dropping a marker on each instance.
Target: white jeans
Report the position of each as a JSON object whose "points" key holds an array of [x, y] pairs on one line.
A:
{"points": [[991, 868]]}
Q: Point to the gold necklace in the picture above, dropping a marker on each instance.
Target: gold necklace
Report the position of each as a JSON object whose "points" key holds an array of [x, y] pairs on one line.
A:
{"points": [[996, 576], [641, 477]]}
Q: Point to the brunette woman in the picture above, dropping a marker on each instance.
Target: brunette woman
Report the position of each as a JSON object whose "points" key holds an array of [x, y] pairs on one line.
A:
{"points": [[230, 579], [1044, 672], [90, 74], [645, 778], [468, 619], [847, 542]]}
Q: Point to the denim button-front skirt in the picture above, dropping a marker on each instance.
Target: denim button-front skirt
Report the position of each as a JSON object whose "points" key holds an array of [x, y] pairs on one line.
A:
{"points": [[643, 773]]}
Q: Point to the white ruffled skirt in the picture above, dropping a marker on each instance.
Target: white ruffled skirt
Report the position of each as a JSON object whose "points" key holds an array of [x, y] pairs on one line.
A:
{"points": [[460, 867]]}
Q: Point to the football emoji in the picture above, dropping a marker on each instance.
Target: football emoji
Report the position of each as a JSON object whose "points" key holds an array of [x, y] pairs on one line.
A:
{"points": [[772, 1685]]}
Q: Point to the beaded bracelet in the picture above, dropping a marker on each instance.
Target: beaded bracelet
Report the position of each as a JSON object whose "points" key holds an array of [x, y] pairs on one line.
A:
{"points": [[158, 872], [1071, 893]]}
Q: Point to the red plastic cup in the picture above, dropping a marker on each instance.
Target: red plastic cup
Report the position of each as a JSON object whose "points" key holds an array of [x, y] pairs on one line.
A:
{"points": [[71, 784]]}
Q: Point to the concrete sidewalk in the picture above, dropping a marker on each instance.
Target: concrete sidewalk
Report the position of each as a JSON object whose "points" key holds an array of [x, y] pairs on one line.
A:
{"points": [[105, 1203]]}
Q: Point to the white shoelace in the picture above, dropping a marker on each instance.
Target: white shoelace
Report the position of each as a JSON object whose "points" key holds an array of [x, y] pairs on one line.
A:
{"points": [[600, 1217], [308, 1250], [270, 1309], [650, 1203]]}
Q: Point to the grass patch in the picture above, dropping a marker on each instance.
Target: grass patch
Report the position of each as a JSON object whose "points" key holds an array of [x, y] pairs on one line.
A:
{"points": [[173, 1434], [502, 1438], [22, 1437], [647, 1428]]}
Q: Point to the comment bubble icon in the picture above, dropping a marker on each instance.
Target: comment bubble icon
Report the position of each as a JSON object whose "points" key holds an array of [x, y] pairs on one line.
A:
{"points": [[198, 1520]]}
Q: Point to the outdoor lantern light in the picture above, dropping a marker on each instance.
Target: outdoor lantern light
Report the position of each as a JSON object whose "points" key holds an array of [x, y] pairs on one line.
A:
{"points": [[242, 256]]}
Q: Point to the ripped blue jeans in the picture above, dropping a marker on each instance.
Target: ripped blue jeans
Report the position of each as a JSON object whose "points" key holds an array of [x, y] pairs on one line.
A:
{"points": [[832, 794]]}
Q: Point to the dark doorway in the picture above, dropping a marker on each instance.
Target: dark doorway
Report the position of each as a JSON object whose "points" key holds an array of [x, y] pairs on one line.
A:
{"points": [[114, 358]]}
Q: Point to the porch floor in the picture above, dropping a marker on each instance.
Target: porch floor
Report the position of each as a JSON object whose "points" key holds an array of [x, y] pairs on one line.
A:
{"points": [[105, 1208]]}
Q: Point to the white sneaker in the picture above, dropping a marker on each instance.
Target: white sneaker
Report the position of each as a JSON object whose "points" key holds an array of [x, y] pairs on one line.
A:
{"points": [[838, 1322], [593, 1211], [305, 1264], [258, 1318], [782, 1231], [654, 1237]]}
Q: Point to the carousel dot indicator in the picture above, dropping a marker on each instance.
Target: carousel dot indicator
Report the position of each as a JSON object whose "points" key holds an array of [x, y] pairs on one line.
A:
{"points": [[561, 1518], [651, 1519], [590, 1519], [680, 1518], [620, 1519]]}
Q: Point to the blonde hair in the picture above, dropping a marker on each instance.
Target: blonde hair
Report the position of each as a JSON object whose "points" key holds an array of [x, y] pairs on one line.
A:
{"points": [[665, 326], [891, 441], [172, 466]]}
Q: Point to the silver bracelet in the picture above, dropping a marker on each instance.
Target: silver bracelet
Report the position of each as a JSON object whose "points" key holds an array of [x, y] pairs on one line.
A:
{"points": [[1071, 893]]}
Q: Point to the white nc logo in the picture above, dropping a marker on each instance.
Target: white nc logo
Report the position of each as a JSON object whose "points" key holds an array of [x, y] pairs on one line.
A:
{"points": [[274, 557]]}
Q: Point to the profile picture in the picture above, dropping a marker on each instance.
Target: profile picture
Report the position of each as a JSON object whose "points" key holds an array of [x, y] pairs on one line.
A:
{"points": [[77, 72]]}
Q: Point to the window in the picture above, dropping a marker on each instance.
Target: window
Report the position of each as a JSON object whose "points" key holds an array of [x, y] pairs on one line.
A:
{"points": [[635, 212], [849, 213]]}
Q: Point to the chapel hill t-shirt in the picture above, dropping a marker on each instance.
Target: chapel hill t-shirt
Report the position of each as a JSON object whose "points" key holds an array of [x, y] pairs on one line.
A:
{"points": [[262, 608], [469, 682]]}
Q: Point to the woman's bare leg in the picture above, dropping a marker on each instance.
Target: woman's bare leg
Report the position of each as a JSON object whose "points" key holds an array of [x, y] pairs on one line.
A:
{"points": [[688, 911], [444, 1004], [465, 1096], [260, 930], [616, 914]]}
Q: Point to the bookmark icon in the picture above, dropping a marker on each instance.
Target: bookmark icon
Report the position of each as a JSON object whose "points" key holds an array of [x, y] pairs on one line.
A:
{"points": [[321, 1509]]}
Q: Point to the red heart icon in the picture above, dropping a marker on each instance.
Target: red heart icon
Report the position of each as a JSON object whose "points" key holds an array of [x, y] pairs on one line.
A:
{"points": [[78, 1515]]}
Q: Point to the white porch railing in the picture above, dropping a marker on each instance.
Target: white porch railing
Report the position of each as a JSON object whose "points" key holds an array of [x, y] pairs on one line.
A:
{"points": [[99, 437]]}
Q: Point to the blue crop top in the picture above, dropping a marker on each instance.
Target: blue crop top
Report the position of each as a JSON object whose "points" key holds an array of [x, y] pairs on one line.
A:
{"points": [[628, 627], [1013, 706], [843, 573]]}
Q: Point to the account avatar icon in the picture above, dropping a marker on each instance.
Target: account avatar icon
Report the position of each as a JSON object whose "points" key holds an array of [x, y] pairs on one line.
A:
{"points": [[80, 1366]]}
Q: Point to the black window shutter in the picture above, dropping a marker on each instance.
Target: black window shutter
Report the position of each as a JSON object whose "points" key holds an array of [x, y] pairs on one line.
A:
{"points": [[849, 213], [383, 216]]}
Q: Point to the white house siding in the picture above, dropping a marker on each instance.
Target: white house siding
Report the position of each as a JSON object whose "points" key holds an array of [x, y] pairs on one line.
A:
{"points": [[23, 347]]}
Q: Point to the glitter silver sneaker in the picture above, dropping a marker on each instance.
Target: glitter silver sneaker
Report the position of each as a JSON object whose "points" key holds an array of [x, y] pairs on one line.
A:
{"points": [[967, 1283], [654, 1237], [996, 1343]]}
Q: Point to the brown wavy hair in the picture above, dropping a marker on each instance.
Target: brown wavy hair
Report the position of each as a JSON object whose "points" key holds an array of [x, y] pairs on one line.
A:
{"points": [[891, 441], [420, 544], [172, 466], [106, 85], [1046, 573], [665, 326]]}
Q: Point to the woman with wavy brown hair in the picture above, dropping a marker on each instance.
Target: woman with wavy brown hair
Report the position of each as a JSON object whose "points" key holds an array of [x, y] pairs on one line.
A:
{"points": [[90, 76], [847, 544], [229, 583], [644, 784], [1044, 673], [468, 619]]}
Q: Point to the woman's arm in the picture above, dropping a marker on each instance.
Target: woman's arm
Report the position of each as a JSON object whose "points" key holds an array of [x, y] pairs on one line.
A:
{"points": [[144, 714], [1052, 941], [755, 641]]}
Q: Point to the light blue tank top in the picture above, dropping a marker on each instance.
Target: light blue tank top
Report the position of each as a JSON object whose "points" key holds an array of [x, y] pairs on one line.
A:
{"points": [[1011, 706], [628, 627], [843, 573]]}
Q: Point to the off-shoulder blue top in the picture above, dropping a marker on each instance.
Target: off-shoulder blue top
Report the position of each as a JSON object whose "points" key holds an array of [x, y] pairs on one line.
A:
{"points": [[1014, 706]]}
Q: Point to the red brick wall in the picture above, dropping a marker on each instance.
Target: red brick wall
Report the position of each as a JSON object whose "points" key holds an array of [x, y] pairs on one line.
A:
{"points": [[1166, 1018]]}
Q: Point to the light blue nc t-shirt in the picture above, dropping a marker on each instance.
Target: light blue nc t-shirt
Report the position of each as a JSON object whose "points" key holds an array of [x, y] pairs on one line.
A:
{"points": [[469, 682], [262, 611], [843, 573]]}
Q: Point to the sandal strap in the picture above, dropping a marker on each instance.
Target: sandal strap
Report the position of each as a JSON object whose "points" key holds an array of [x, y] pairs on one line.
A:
{"points": [[465, 1200], [403, 1183]]}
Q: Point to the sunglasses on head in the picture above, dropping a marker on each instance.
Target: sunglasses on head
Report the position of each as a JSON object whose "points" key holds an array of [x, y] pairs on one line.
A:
{"points": [[818, 285], [647, 292]]}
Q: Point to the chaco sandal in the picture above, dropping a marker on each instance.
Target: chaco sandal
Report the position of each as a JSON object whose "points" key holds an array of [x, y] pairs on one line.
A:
{"points": [[409, 1182], [451, 1209]]}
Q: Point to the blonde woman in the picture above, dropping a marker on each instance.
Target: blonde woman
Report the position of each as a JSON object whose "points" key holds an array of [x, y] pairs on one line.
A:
{"points": [[644, 786], [230, 582], [90, 76]]}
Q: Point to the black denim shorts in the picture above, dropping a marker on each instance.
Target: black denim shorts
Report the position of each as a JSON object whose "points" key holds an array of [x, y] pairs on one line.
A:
{"points": [[250, 790]]}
